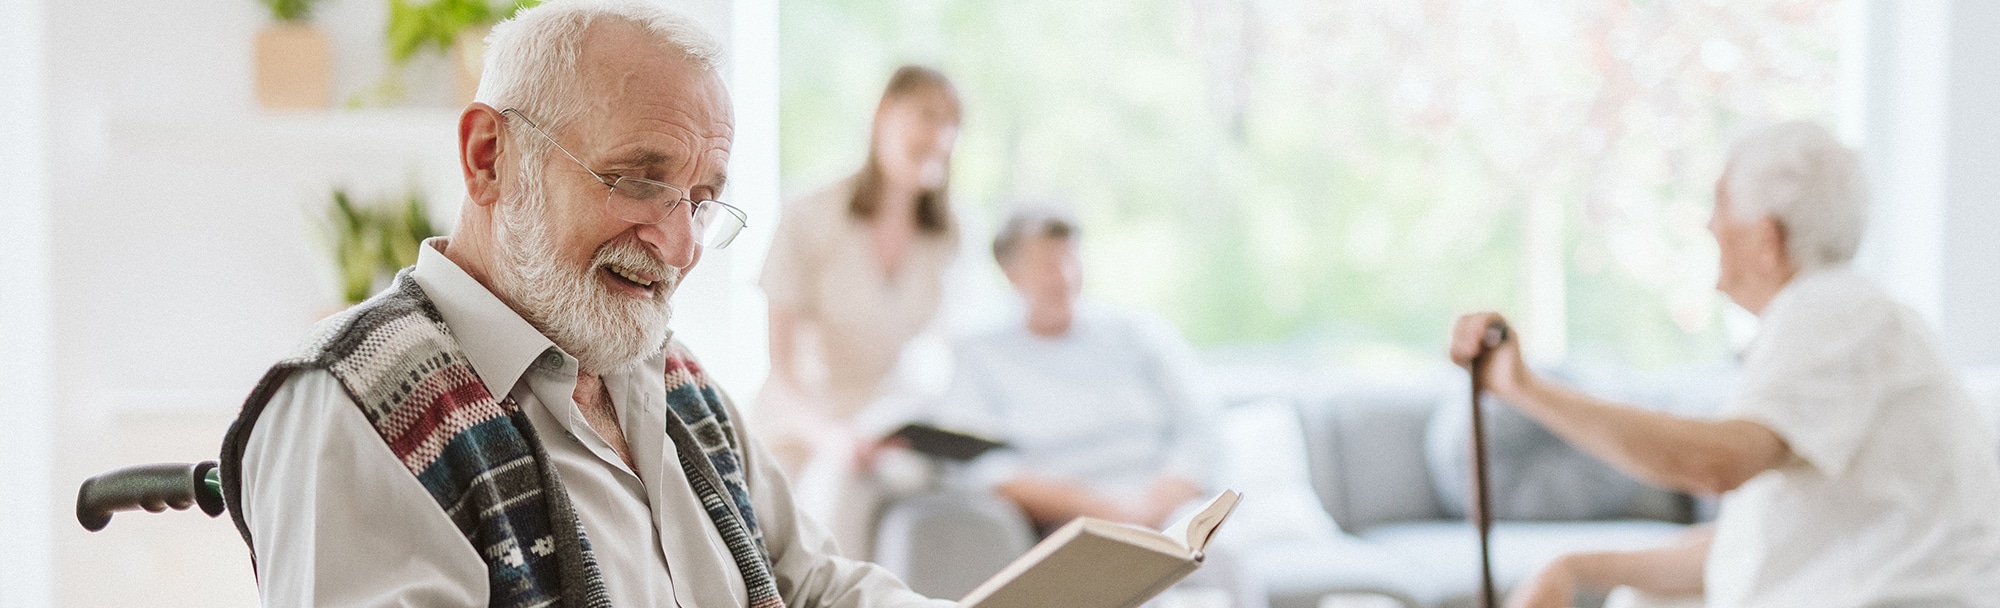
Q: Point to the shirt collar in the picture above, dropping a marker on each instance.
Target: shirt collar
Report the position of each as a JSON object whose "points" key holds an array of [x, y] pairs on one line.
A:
{"points": [[1802, 282], [496, 340]]}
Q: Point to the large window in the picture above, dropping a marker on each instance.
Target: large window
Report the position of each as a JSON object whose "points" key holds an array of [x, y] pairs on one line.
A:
{"points": [[1342, 177]]}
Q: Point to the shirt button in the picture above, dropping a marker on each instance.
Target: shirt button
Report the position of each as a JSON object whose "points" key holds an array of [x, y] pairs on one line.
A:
{"points": [[552, 360]]}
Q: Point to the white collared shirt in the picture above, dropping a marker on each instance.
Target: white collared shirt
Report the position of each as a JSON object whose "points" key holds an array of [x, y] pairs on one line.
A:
{"points": [[1113, 403], [1893, 495], [353, 527]]}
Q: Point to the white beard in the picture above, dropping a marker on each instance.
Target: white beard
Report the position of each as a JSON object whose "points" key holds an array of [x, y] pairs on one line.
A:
{"points": [[572, 306]]}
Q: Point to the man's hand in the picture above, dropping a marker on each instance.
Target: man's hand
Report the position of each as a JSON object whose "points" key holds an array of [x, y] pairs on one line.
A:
{"points": [[1553, 587], [1504, 374], [1052, 501], [867, 453], [1672, 570], [1166, 495]]}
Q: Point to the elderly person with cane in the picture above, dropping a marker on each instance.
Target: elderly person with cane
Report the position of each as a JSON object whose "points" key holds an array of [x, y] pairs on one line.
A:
{"points": [[1851, 465]]}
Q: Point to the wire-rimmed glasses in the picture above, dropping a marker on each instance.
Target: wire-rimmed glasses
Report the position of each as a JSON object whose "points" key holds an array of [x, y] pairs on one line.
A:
{"points": [[644, 201]]}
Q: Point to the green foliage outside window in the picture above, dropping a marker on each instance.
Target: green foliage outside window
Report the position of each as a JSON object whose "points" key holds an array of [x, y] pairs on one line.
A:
{"points": [[1346, 177]]}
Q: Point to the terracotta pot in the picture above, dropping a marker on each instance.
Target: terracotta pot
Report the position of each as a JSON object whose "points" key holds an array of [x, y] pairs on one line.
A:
{"points": [[468, 59], [294, 68]]}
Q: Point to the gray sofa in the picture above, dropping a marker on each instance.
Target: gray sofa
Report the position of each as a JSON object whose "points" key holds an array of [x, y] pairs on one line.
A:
{"points": [[1373, 450], [1373, 463]]}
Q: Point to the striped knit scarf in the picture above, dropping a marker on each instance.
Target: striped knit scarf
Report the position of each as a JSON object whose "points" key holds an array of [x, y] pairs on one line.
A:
{"points": [[479, 456], [706, 445]]}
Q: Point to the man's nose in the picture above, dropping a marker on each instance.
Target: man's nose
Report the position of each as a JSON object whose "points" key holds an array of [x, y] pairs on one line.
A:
{"points": [[674, 236]]}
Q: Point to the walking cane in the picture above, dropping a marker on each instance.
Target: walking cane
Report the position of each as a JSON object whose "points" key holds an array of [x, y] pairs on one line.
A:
{"points": [[1496, 334]]}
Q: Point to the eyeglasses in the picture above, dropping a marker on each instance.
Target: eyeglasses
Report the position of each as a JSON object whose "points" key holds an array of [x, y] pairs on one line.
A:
{"points": [[644, 201]]}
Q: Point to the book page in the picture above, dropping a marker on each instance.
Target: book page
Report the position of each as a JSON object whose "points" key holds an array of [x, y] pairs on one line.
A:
{"points": [[1198, 527], [1157, 542]]}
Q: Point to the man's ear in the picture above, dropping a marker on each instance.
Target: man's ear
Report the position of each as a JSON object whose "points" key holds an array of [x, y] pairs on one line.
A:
{"points": [[1777, 255], [1013, 276], [480, 141]]}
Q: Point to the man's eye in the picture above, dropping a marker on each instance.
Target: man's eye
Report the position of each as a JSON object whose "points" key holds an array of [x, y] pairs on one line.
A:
{"points": [[640, 190]]}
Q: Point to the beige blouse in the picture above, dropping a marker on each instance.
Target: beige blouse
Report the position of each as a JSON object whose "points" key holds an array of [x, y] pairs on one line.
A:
{"points": [[854, 318]]}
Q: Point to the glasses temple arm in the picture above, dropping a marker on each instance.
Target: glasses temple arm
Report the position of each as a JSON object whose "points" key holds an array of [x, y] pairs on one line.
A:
{"points": [[552, 141]]}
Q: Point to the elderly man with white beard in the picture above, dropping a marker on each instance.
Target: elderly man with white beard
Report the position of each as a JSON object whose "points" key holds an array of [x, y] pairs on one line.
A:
{"points": [[510, 423]]}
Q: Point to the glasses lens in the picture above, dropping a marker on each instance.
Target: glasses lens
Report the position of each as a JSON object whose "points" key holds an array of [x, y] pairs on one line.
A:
{"points": [[649, 202], [717, 223], [640, 201]]}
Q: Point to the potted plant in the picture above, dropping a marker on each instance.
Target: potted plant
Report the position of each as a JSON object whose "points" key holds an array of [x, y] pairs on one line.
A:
{"points": [[404, 229], [454, 28], [294, 62], [370, 242], [355, 247]]}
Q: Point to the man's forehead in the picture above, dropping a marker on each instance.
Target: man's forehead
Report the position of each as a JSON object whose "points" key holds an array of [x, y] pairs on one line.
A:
{"points": [[650, 74], [633, 83]]}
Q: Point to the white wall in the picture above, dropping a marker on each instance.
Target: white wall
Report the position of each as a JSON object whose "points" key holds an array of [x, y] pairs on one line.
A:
{"points": [[1970, 298], [1931, 78], [739, 355], [1902, 145], [27, 511], [185, 259], [160, 251]]}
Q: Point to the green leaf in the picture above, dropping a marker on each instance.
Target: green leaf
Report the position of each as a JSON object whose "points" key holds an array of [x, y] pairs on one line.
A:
{"points": [[437, 24], [290, 11], [403, 233], [373, 239]]}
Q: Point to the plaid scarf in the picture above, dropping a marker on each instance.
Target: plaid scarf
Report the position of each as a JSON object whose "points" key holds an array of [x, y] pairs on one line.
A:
{"points": [[480, 459]]}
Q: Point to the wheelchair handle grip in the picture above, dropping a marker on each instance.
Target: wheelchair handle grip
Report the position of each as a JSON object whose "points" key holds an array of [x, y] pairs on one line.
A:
{"points": [[153, 487]]}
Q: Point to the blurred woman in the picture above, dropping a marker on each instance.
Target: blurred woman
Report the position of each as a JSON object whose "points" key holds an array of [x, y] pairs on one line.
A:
{"points": [[856, 271]]}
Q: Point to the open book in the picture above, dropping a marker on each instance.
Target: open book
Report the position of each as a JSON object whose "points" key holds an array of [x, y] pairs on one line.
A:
{"points": [[1092, 563]]}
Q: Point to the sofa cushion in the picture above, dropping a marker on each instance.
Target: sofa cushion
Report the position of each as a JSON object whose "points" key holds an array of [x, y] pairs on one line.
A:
{"points": [[1446, 552], [1534, 474], [1264, 458], [1537, 476], [1365, 442]]}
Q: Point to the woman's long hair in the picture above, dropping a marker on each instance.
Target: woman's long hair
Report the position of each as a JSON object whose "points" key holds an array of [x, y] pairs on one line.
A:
{"points": [[933, 204]]}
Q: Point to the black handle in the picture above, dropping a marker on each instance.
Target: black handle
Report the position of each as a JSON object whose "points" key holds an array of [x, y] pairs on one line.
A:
{"points": [[153, 487], [1496, 335]]}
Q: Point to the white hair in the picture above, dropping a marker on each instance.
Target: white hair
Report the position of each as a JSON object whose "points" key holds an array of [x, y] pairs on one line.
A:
{"points": [[530, 60], [1800, 175]]}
